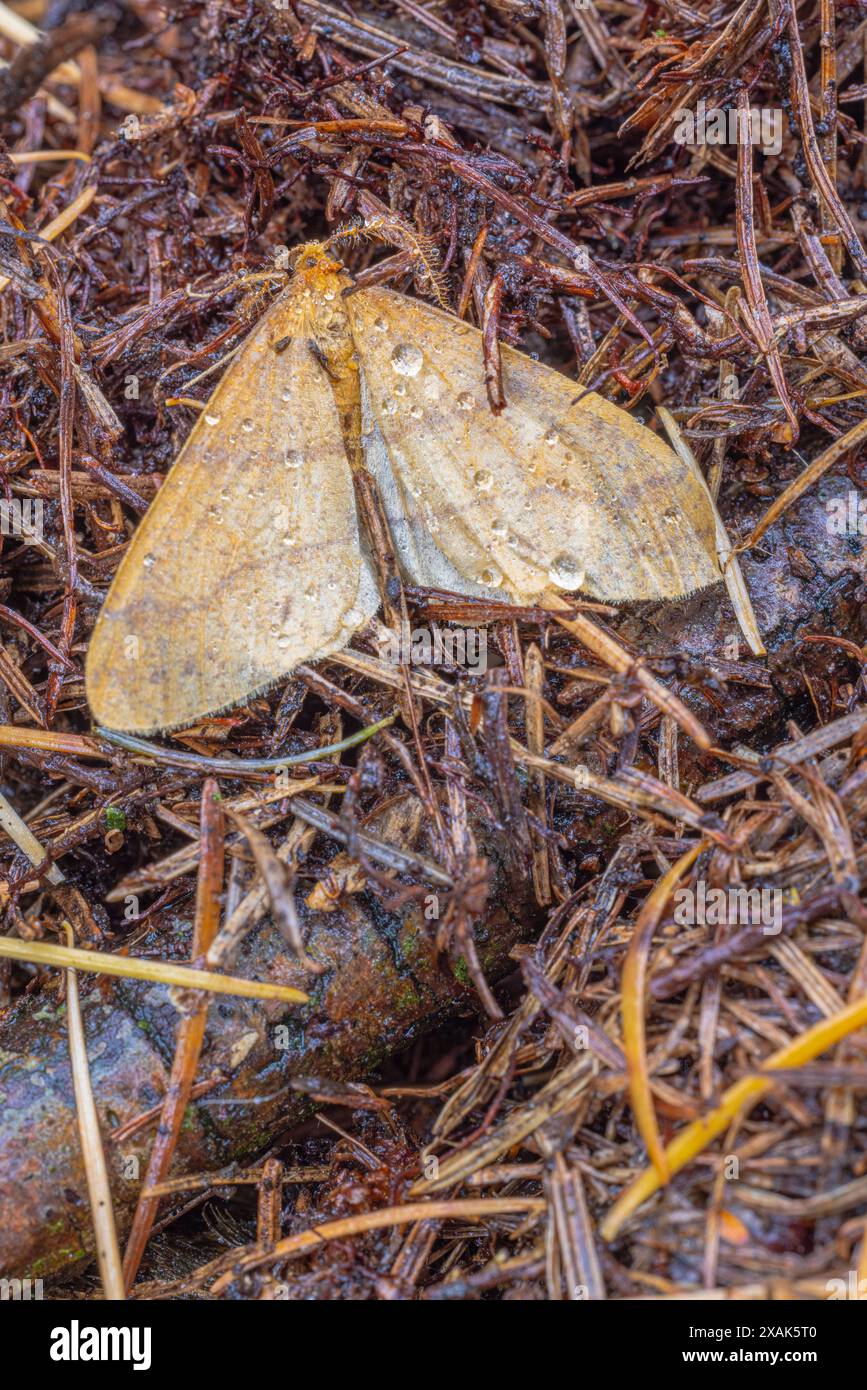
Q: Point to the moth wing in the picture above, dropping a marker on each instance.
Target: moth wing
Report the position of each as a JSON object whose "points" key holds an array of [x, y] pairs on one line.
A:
{"points": [[248, 561], [422, 560], [553, 491]]}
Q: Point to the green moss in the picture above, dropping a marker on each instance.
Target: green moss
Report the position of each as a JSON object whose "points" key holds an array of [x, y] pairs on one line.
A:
{"points": [[405, 997], [115, 818], [411, 942], [461, 971], [46, 1014], [47, 1264]]}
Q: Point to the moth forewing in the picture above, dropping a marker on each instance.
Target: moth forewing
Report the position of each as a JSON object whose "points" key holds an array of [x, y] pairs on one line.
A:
{"points": [[555, 491], [248, 561]]}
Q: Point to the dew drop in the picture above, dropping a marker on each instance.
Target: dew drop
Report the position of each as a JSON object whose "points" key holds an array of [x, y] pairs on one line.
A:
{"points": [[491, 577], [483, 480], [293, 458], [380, 325], [566, 573], [551, 437], [466, 401], [247, 425], [149, 561], [212, 419], [400, 389], [407, 359]]}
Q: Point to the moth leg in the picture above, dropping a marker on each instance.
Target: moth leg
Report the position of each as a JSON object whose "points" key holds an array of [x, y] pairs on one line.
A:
{"points": [[320, 357]]}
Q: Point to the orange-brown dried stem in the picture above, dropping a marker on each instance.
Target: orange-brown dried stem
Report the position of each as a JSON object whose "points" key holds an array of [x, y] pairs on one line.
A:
{"points": [[191, 1029]]}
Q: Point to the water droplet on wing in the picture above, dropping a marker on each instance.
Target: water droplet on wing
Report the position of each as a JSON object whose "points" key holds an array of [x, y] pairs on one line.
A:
{"points": [[407, 359], [566, 573]]}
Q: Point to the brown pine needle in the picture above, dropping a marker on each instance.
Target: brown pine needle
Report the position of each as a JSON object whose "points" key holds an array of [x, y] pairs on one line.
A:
{"points": [[49, 157], [191, 1029], [463, 1208], [753, 286], [466, 1208], [611, 652], [852, 439], [46, 741], [64, 219]]}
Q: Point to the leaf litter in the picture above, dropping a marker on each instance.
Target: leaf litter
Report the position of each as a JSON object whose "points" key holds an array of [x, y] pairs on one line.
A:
{"points": [[559, 1109]]}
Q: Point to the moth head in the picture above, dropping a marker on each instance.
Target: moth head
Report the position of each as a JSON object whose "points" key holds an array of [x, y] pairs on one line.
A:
{"points": [[314, 265]]}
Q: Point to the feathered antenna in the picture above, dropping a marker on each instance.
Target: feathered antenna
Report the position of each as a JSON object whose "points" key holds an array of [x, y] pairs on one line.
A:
{"points": [[423, 249]]}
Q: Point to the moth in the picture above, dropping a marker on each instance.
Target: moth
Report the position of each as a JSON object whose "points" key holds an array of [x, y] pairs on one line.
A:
{"points": [[251, 559]]}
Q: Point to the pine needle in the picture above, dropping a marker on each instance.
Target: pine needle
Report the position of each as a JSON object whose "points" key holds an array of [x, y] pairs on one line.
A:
{"points": [[96, 1172], [632, 1006], [161, 972], [696, 1137]]}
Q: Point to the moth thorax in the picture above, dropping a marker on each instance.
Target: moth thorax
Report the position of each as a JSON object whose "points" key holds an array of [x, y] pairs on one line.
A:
{"points": [[331, 332]]}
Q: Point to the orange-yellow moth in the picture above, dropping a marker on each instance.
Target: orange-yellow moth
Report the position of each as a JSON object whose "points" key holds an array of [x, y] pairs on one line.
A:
{"points": [[251, 559]]}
